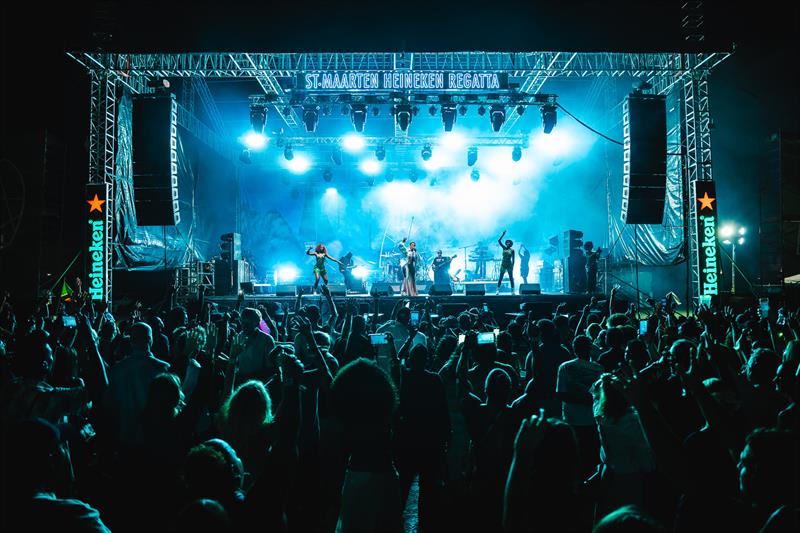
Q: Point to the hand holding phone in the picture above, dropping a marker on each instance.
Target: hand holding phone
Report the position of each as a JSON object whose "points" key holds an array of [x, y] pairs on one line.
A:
{"points": [[414, 318], [486, 337], [643, 327], [378, 339]]}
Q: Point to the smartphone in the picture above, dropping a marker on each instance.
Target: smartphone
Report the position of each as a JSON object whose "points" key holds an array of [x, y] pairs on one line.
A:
{"points": [[643, 327], [69, 321], [461, 338], [414, 318], [486, 338], [763, 304], [496, 331], [378, 338], [485, 308]]}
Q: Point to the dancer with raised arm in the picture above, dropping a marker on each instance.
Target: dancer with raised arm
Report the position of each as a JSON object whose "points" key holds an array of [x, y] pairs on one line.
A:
{"points": [[409, 267], [320, 253], [507, 264], [524, 263]]}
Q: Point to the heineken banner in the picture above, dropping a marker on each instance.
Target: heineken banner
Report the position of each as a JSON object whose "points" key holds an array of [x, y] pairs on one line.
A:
{"points": [[97, 242], [352, 80], [707, 242]]}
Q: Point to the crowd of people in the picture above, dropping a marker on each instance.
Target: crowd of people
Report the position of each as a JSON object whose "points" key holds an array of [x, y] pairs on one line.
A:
{"points": [[317, 417]]}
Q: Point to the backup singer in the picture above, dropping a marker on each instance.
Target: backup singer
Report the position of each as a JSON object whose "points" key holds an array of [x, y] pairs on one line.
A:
{"points": [[524, 263], [320, 253], [507, 264], [592, 257], [346, 266], [409, 268]]}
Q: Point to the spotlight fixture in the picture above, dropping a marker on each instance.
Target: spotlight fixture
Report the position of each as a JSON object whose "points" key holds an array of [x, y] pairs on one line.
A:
{"points": [[448, 116], [288, 152], [497, 114], [370, 180], [549, 117], [415, 110], [516, 153], [258, 117], [311, 117], [336, 155], [413, 176], [380, 152], [287, 111], [432, 110], [520, 109], [244, 157], [427, 152], [433, 182], [472, 155], [376, 111], [358, 114], [345, 109], [402, 115], [462, 110], [327, 175], [389, 177], [326, 110], [481, 111], [475, 175], [158, 83]]}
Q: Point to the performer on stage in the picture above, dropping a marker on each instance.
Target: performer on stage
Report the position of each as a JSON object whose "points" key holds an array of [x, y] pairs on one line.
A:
{"points": [[441, 268], [592, 257], [320, 253], [409, 268], [524, 260], [346, 268], [507, 264]]}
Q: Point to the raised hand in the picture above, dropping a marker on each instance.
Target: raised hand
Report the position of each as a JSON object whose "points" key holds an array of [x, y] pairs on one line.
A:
{"points": [[291, 368], [530, 435], [303, 325]]}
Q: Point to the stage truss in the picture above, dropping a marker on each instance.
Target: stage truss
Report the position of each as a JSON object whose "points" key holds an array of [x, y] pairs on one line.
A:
{"points": [[110, 73]]}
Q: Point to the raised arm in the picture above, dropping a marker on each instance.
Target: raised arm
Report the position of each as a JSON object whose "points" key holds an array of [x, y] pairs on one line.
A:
{"points": [[309, 252], [332, 259], [500, 240]]}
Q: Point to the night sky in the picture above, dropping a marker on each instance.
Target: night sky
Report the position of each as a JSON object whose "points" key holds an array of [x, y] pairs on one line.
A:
{"points": [[753, 94]]}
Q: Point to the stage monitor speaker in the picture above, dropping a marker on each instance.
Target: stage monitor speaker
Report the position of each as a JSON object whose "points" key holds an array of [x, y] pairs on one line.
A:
{"points": [[575, 275], [530, 288], [644, 171], [247, 287], [441, 289], [337, 290], [475, 289], [286, 290], [381, 289], [154, 154]]}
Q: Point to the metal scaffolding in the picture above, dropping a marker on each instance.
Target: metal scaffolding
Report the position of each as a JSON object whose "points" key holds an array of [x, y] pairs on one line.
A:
{"points": [[275, 73]]}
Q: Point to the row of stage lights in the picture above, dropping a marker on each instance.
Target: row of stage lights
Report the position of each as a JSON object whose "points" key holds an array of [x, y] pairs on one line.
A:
{"points": [[403, 115], [413, 175]]}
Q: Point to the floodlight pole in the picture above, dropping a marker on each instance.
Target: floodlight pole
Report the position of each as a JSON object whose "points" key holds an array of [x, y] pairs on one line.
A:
{"points": [[733, 267]]}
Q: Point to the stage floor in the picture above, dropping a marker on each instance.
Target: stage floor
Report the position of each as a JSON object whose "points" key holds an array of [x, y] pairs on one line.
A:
{"points": [[507, 304]]}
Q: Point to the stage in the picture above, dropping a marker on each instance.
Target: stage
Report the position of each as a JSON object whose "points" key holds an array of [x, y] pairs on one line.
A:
{"points": [[503, 306]]}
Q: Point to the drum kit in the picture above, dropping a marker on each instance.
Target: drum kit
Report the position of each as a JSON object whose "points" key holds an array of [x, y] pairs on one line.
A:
{"points": [[392, 262]]}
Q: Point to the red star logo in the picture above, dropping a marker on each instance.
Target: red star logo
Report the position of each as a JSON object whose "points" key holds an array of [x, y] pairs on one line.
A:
{"points": [[705, 202], [96, 203]]}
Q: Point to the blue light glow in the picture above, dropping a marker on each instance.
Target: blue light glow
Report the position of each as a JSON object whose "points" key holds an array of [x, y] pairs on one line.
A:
{"points": [[360, 272], [253, 140], [353, 142], [298, 165], [370, 167], [286, 273]]}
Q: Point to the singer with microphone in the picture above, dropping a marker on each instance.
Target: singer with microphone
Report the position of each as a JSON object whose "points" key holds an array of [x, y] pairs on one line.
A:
{"points": [[409, 265]]}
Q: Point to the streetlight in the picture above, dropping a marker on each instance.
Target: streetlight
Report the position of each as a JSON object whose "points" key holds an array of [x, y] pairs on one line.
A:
{"points": [[732, 235]]}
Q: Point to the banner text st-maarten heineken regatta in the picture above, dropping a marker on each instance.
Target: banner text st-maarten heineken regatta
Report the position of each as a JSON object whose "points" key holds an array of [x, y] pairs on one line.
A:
{"points": [[396, 81]]}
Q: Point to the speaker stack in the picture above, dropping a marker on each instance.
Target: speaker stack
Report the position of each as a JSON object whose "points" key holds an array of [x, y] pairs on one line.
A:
{"points": [[644, 175]]}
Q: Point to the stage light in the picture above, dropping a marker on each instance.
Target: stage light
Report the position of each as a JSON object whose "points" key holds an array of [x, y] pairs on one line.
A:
{"points": [[345, 110], [516, 153], [298, 164], [415, 110], [475, 175], [402, 115], [353, 142], [311, 117], [287, 111], [258, 118], [726, 231], [360, 272], [254, 141], [336, 155], [288, 152], [520, 110], [162, 83], [740, 241], [497, 114], [462, 110], [432, 110], [448, 116], [376, 111], [742, 231], [327, 175], [358, 114], [433, 182], [244, 157], [427, 152], [370, 180], [481, 111], [452, 140], [472, 155], [389, 177], [413, 176], [326, 110], [549, 117], [370, 167], [380, 152], [287, 273]]}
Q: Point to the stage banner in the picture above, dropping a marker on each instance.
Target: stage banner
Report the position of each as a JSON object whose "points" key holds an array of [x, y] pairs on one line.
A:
{"points": [[354, 80], [97, 246], [707, 241]]}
